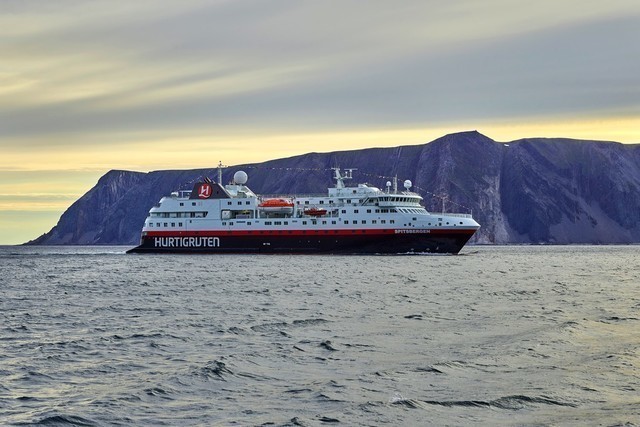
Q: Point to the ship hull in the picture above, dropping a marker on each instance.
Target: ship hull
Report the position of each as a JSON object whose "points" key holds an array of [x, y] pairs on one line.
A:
{"points": [[394, 241]]}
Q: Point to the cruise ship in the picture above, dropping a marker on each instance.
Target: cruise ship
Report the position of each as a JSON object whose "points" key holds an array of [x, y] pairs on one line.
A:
{"points": [[361, 219]]}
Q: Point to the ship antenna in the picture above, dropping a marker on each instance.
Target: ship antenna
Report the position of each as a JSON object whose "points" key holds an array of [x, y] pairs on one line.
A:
{"points": [[340, 178], [220, 167]]}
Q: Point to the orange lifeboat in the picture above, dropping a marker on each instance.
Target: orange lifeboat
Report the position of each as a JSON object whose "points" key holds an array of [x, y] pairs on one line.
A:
{"points": [[277, 206], [315, 211]]}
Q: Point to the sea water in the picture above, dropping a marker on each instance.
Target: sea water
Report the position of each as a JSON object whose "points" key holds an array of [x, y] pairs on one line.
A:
{"points": [[544, 335]]}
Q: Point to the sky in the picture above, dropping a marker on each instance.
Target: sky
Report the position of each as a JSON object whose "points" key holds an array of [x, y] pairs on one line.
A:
{"points": [[88, 86]]}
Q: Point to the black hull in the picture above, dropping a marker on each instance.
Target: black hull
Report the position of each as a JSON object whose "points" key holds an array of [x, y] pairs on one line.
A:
{"points": [[442, 241]]}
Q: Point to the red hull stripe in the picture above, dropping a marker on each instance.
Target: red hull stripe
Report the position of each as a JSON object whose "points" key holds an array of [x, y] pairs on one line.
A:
{"points": [[220, 233]]}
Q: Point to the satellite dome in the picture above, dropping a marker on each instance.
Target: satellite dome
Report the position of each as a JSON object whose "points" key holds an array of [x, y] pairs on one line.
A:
{"points": [[240, 177], [407, 184], [388, 183]]}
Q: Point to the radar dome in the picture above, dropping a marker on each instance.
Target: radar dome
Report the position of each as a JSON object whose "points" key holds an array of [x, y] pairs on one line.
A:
{"points": [[407, 184], [240, 177]]}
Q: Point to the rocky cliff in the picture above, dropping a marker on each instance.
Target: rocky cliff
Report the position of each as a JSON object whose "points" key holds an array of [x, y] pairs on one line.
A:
{"points": [[527, 191]]}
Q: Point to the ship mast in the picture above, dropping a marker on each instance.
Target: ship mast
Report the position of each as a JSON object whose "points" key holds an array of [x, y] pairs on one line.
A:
{"points": [[220, 167], [340, 178]]}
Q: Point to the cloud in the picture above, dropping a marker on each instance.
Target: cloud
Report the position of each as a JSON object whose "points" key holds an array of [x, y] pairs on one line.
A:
{"points": [[278, 65]]}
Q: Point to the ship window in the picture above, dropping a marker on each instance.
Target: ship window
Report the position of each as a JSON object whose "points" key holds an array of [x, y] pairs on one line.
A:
{"points": [[179, 224], [344, 211], [166, 225], [240, 203], [181, 204], [368, 210], [447, 223], [355, 222], [224, 222], [277, 223], [415, 219], [267, 223], [355, 211], [377, 210], [157, 224], [333, 222], [346, 222], [249, 223], [322, 202], [460, 222], [150, 224], [193, 203], [324, 222], [306, 202], [330, 202], [364, 221], [247, 202], [392, 221], [354, 191], [304, 222], [348, 200], [373, 221], [314, 222], [384, 221], [286, 223]]}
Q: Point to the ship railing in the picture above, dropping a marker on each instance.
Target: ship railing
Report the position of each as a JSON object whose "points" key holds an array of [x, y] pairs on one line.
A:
{"points": [[289, 196], [457, 215]]}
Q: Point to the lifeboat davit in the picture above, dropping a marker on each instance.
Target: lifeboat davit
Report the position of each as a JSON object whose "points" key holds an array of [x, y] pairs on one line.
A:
{"points": [[277, 206], [315, 211]]}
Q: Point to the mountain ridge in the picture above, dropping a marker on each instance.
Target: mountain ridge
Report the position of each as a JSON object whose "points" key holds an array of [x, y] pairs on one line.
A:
{"points": [[532, 190]]}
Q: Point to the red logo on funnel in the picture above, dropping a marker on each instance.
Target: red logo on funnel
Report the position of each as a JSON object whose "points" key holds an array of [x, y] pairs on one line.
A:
{"points": [[204, 191]]}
